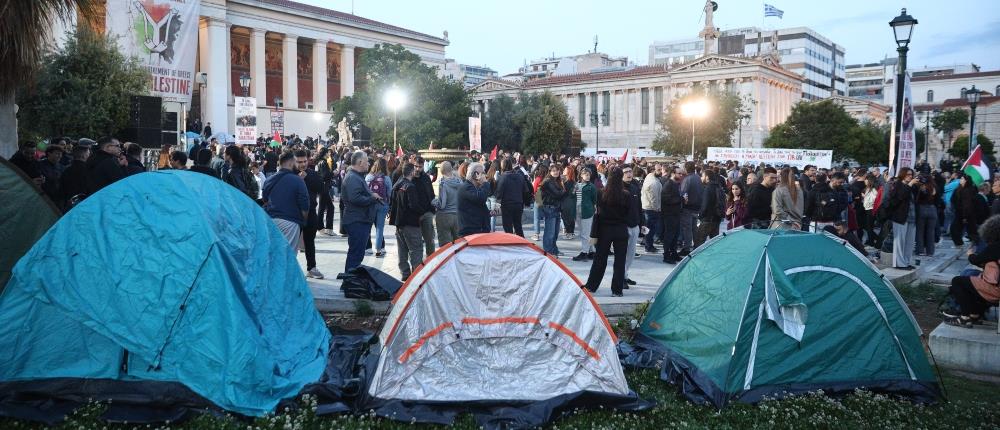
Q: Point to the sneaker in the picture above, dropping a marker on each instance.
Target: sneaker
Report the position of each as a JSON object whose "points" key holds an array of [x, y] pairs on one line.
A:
{"points": [[580, 257], [590, 255], [617, 294], [652, 251], [369, 252], [629, 282], [535, 238], [314, 273], [380, 253]]}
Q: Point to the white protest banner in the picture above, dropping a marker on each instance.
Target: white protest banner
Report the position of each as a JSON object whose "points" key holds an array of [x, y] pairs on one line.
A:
{"points": [[246, 120], [163, 35], [821, 158], [907, 137], [475, 135], [277, 122]]}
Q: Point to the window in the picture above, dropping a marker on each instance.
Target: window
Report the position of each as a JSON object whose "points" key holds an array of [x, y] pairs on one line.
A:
{"points": [[930, 96], [606, 109], [657, 104], [581, 99], [964, 90], [644, 100], [593, 108], [545, 67]]}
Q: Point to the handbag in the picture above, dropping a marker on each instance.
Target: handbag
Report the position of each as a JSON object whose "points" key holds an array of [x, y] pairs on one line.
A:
{"points": [[595, 229]]}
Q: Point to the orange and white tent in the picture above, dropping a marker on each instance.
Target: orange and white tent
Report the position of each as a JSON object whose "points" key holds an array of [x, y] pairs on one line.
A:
{"points": [[493, 317]]}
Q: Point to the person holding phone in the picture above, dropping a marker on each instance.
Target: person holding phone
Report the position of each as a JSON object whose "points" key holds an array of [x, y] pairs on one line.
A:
{"points": [[473, 215]]}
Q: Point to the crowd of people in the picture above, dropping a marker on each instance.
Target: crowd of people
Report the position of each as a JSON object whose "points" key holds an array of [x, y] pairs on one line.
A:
{"points": [[611, 205]]}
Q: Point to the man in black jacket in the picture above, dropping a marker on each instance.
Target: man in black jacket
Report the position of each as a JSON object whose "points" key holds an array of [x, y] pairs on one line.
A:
{"points": [[671, 204], [825, 204], [709, 214], [74, 180], [133, 152], [25, 160], [635, 220], [426, 195], [314, 185], [512, 187], [106, 165], [759, 199], [404, 213]]}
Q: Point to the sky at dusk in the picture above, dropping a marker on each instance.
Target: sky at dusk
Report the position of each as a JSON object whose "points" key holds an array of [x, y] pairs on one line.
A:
{"points": [[503, 34]]}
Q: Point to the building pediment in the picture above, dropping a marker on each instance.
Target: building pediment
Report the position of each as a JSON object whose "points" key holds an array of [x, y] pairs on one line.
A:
{"points": [[714, 62], [495, 85]]}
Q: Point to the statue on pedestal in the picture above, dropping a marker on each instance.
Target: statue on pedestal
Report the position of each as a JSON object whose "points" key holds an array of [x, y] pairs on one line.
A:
{"points": [[710, 33], [344, 133]]}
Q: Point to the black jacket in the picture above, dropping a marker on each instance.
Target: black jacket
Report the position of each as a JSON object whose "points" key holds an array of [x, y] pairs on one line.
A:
{"points": [[825, 204], [314, 184], [759, 202], [511, 189], [553, 192], [205, 169], [27, 165], [710, 203], [134, 166], [405, 210], [425, 191], [635, 218], [74, 180], [671, 201], [900, 199], [103, 170], [473, 216]]}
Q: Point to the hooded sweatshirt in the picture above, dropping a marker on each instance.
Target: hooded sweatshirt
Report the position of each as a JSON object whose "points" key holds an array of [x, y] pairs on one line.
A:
{"points": [[448, 190]]}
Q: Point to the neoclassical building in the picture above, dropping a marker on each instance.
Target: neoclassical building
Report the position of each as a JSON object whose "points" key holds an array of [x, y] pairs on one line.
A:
{"points": [[630, 102], [299, 57]]}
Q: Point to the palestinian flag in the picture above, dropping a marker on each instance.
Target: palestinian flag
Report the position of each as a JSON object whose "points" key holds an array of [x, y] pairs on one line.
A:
{"points": [[975, 167]]}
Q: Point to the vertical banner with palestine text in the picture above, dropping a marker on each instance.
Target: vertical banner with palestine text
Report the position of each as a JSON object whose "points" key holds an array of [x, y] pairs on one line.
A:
{"points": [[475, 135], [246, 120], [163, 35], [907, 137]]}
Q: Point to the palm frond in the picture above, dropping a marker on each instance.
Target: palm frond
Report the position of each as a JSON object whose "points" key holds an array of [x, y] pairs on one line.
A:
{"points": [[25, 31]]}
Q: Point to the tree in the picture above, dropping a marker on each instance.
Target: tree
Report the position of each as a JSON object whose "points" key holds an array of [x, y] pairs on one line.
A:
{"points": [[818, 125], [867, 143], [498, 124], [437, 110], [716, 129], [82, 90], [950, 120], [543, 122], [960, 149], [24, 43]]}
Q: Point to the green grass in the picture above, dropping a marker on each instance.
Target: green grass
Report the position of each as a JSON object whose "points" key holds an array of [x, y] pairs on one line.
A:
{"points": [[973, 405]]}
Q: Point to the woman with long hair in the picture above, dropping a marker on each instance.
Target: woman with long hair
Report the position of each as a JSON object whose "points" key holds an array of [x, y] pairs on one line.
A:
{"points": [[536, 184], [975, 294], [736, 207], [963, 203], [903, 217], [787, 202], [926, 205], [568, 209], [868, 197], [553, 193], [325, 167], [239, 174], [610, 229], [379, 182]]}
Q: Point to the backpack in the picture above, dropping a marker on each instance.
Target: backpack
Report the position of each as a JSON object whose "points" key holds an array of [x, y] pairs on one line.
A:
{"points": [[377, 186], [826, 206]]}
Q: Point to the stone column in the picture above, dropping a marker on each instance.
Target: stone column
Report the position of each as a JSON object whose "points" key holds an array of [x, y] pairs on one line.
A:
{"points": [[258, 72], [215, 94], [319, 76], [290, 71], [230, 97], [347, 71]]}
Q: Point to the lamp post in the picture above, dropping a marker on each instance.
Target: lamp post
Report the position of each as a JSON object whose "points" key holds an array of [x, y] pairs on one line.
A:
{"points": [[972, 96], [394, 99], [594, 120], [694, 109], [927, 134], [902, 29], [245, 83]]}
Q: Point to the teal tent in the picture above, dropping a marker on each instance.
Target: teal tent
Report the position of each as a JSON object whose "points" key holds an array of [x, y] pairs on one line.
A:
{"points": [[168, 279], [764, 313], [26, 213]]}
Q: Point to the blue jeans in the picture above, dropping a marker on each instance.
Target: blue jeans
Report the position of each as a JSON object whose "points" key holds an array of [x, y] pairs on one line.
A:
{"points": [[653, 223], [551, 214], [380, 214], [357, 239], [538, 218]]}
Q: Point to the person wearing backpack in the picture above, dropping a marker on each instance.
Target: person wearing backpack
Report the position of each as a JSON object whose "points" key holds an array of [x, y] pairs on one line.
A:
{"points": [[405, 215], [379, 183], [713, 207], [239, 174]]}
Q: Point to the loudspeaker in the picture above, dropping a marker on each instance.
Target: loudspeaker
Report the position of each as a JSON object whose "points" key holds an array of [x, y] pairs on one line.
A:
{"points": [[170, 121], [145, 137], [168, 138], [145, 112]]}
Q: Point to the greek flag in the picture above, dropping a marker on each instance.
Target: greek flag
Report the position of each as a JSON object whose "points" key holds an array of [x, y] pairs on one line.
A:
{"points": [[772, 11]]}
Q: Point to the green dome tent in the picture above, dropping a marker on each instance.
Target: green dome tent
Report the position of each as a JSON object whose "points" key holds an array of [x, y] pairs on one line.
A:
{"points": [[763, 313], [26, 213]]}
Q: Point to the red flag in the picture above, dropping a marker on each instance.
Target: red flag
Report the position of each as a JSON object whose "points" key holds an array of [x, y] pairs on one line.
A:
{"points": [[493, 154], [277, 137], [624, 156], [399, 151]]}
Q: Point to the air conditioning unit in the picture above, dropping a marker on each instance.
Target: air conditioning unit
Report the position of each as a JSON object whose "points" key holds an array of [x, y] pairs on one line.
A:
{"points": [[309, 106]]}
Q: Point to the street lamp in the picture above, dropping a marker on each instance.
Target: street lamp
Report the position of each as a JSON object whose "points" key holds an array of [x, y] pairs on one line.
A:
{"points": [[394, 99], [902, 29], [694, 109], [245, 83], [593, 120], [972, 96]]}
